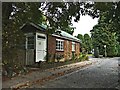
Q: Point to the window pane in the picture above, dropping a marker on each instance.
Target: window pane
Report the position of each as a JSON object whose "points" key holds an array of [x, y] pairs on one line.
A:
{"points": [[30, 43], [59, 45], [30, 46], [73, 46]]}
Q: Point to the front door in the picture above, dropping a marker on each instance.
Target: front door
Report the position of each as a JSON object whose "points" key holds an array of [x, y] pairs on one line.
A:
{"points": [[40, 47]]}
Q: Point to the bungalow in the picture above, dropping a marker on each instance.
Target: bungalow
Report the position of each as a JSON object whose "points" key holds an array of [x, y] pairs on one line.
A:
{"points": [[41, 46]]}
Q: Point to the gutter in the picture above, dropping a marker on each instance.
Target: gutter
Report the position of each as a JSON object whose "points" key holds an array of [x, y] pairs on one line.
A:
{"points": [[65, 38]]}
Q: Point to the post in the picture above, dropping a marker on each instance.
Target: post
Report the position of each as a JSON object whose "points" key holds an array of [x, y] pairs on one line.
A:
{"points": [[105, 51]]}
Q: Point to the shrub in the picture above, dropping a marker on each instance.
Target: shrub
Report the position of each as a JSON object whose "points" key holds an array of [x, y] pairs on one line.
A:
{"points": [[59, 56], [12, 69], [118, 50], [73, 56], [111, 51], [83, 57]]}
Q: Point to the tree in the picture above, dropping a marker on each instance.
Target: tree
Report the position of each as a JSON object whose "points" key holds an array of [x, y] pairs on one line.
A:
{"points": [[102, 35], [112, 10], [80, 36], [59, 15], [15, 15], [82, 44], [86, 42]]}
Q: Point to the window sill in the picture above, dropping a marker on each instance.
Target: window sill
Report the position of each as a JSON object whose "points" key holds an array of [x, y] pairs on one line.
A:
{"points": [[59, 50]]}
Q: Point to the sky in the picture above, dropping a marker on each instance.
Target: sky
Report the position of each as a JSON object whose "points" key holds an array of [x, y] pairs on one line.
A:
{"points": [[84, 25]]}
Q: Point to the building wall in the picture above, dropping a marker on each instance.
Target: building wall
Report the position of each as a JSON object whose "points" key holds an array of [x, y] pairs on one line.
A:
{"points": [[77, 49], [51, 47], [67, 53], [67, 49]]}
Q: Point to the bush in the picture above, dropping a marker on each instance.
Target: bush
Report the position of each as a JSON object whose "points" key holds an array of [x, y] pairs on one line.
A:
{"points": [[59, 56], [111, 51], [73, 56], [83, 57], [12, 69], [118, 50]]}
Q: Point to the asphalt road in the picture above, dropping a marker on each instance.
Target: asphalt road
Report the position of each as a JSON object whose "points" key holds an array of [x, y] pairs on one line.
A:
{"points": [[102, 74]]}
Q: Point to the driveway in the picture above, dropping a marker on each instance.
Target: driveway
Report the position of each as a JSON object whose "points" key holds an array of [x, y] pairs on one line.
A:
{"points": [[102, 74]]}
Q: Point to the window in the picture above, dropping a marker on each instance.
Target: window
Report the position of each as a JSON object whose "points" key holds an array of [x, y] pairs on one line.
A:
{"points": [[30, 42], [73, 46], [40, 37], [59, 44]]}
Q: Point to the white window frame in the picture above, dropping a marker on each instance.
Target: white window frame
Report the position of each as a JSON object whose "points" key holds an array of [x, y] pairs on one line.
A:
{"points": [[59, 45], [73, 46]]}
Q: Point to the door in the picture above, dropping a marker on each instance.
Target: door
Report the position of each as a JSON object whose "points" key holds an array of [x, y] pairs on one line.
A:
{"points": [[40, 48], [30, 49]]}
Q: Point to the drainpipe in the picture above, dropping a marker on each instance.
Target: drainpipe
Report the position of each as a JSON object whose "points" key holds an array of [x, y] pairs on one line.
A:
{"points": [[47, 49], [26, 50]]}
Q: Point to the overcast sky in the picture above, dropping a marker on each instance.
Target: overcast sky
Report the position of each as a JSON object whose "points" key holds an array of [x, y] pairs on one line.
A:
{"points": [[85, 24]]}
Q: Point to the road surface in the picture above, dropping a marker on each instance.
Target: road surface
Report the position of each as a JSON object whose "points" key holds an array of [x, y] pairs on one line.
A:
{"points": [[102, 74]]}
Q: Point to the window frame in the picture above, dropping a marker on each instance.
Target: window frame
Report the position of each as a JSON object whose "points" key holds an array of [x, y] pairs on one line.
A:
{"points": [[73, 46], [30, 42], [59, 45]]}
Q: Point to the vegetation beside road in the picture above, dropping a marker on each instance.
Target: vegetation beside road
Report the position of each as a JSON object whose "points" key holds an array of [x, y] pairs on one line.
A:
{"points": [[11, 70]]}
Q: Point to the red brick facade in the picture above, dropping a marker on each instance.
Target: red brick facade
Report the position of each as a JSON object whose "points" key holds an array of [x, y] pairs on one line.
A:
{"points": [[51, 44], [67, 49], [77, 49], [67, 52]]}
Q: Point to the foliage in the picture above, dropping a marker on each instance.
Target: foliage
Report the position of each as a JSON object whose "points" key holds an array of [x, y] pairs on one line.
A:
{"points": [[118, 48], [102, 35], [59, 56], [112, 10], [73, 56], [11, 70], [15, 15], [83, 57], [86, 42], [69, 29], [60, 13]]}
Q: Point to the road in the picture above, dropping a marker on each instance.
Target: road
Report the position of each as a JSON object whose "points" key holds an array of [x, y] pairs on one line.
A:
{"points": [[102, 74]]}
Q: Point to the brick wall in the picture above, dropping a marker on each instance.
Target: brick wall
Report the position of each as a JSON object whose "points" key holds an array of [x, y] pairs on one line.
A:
{"points": [[51, 47], [77, 49], [67, 49], [70, 49], [67, 53]]}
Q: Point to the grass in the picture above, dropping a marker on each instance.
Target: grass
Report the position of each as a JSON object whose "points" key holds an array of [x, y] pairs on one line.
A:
{"points": [[90, 54]]}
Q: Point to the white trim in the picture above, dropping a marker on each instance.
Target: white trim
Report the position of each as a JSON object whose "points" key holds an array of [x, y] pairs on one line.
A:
{"points": [[59, 39], [61, 46], [73, 44], [66, 38], [45, 47]]}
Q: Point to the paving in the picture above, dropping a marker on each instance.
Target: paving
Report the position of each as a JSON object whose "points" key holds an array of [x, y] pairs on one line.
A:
{"points": [[25, 81], [102, 74]]}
